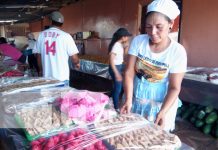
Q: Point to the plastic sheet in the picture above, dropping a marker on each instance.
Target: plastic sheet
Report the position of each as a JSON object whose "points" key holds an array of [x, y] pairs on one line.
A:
{"points": [[76, 139], [41, 120], [109, 111], [83, 106], [94, 68], [130, 131], [12, 103], [127, 132], [15, 101], [10, 71], [123, 132], [11, 68], [203, 74], [46, 112], [19, 84]]}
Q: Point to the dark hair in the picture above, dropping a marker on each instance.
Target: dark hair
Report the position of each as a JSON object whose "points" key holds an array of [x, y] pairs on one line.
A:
{"points": [[117, 36], [58, 24], [3, 40], [46, 27], [153, 12]]}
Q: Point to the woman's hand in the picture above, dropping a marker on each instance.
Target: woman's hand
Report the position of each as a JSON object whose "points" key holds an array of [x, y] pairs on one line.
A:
{"points": [[126, 108], [160, 119]]}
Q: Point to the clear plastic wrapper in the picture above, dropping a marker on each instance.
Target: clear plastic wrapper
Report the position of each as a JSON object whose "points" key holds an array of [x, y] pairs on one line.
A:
{"points": [[202, 74], [42, 120], [76, 139], [119, 125], [147, 137], [4, 67], [42, 124], [12, 104], [83, 106], [129, 132], [19, 84], [109, 111], [10, 62], [11, 68], [94, 68], [94, 137], [47, 112], [12, 73], [134, 132], [15, 101]]}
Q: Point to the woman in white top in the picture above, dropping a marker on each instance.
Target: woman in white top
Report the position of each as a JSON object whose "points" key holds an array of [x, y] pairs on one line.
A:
{"points": [[117, 49], [155, 68]]}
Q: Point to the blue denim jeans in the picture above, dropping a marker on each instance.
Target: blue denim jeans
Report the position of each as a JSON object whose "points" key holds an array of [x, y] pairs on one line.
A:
{"points": [[117, 85]]}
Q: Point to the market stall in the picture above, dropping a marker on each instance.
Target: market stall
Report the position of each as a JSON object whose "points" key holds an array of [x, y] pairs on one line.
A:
{"points": [[67, 118], [200, 86]]}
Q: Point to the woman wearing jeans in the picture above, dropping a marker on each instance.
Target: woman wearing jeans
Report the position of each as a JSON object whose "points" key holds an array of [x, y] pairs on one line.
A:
{"points": [[117, 51]]}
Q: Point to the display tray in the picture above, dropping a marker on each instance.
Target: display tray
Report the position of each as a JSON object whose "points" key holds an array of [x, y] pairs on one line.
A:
{"points": [[123, 132], [135, 132], [20, 84]]}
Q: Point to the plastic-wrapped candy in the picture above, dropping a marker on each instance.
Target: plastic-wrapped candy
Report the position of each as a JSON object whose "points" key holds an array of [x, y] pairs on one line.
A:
{"points": [[78, 139], [83, 106]]}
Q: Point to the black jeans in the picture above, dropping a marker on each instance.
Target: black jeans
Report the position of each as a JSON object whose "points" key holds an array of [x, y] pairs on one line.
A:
{"points": [[22, 59], [32, 60]]}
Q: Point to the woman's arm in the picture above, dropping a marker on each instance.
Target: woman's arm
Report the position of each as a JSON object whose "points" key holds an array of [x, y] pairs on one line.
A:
{"points": [[75, 61], [125, 54], [128, 83], [175, 81], [117, 75]]}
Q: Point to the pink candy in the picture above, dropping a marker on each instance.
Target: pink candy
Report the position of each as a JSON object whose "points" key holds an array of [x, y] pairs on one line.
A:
{"points": [[83, 105]]}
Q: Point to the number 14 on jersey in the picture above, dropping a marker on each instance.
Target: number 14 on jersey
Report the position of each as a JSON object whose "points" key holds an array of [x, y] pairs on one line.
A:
{"points": [[50, 47]]}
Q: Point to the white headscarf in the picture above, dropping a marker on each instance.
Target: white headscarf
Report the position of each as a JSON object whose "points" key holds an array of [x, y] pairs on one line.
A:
{"points": [[166, 7]]}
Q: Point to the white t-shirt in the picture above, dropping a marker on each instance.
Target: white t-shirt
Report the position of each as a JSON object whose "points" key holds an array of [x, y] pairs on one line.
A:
{"points": [[171, 60], [55, 47], [152, 77], [31, 45], [118, 50]]}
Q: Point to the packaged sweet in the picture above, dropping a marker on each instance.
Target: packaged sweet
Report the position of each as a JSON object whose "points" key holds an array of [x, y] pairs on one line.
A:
{"points": [[83, 106]]}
